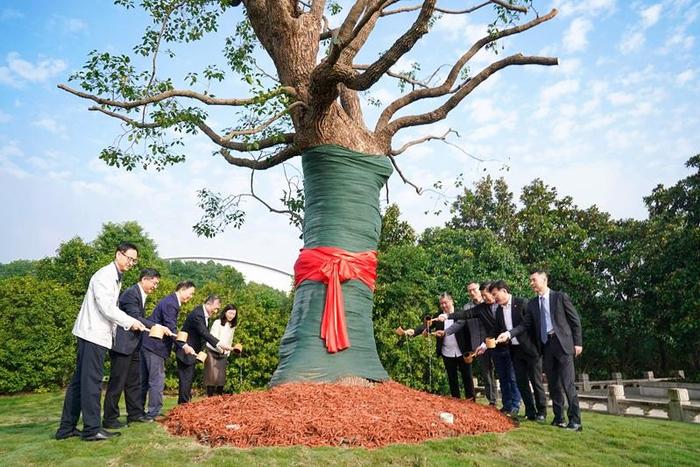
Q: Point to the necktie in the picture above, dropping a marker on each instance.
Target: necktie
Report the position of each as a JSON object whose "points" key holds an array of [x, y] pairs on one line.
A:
{"points": [[543, 319]]}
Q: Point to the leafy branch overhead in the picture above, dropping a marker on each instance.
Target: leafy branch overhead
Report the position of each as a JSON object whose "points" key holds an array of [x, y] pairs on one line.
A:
{"points": [[302, 78]]}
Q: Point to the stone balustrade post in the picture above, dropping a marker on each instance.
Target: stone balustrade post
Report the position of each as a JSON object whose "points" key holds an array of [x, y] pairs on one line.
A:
{"points": [[648, 374], [585, 382], [616, 393], [677, 398], [617, 376]]}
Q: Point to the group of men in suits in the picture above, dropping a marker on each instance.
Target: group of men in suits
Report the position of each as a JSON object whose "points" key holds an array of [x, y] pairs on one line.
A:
{"points": [[542, 332], [112, 323]]}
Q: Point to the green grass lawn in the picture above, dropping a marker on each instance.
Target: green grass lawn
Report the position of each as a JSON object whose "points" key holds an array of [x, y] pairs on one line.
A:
{"points": [[28, 422]]}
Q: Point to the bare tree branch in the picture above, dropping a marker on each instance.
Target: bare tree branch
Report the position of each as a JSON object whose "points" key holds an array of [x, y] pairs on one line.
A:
{"points": [[264, 143], [440, 10], [418, 189], [124, 118], [465, 89], [399, 76], [262, 126], [209, 100], [402, 45], [292, 214], [446, 86], [261, 164], [508, 6], [396, 152]]}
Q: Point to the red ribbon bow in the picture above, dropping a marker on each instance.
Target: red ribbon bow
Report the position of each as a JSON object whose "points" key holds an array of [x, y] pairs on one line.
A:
{"points": [[332, 266]]}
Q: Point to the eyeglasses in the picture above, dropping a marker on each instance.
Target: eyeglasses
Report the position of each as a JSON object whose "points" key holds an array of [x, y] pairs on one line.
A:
{"points": [[131, 259]]}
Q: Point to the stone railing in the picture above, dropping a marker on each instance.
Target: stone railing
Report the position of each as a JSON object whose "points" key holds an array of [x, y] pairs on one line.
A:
{"points": [[677, 406], [584, 384]]}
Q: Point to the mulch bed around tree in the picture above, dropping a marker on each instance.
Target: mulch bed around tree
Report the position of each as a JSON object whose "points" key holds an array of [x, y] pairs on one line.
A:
{"points": [[331, 415]]}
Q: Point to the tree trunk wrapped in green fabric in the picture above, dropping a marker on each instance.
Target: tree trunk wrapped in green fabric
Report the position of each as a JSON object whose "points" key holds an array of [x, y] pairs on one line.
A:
{"points": [[341, 210]]}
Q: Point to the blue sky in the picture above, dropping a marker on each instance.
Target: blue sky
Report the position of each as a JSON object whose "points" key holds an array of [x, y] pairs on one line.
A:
{"points": [[616, 117]]}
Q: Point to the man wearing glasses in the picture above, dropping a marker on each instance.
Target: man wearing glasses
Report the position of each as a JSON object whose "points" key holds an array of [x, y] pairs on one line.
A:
{"points": [[125, 374], [94, 327]]}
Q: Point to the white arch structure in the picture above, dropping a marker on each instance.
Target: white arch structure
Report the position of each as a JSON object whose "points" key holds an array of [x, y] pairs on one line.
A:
{"points": [[280, 280]]}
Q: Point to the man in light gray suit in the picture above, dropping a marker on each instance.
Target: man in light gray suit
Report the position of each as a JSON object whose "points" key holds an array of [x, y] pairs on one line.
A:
{"points": [[95, 327]]}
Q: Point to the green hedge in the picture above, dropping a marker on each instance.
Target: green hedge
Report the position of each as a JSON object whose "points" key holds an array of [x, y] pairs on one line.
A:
{"points": [[37, 350]]}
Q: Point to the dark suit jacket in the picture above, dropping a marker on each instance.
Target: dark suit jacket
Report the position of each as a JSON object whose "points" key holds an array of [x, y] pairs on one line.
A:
{"points": [[483, 312], [565, 321], [131, 303], [518, 308], [477, 330], [462, 338], [165, 313], [197, 333]]}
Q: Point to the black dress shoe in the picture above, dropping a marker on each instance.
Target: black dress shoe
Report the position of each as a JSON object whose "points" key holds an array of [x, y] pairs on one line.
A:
{"points": [[574, 426], [113, 425], [559, 423], [513, 414], [102, 435], [142, 419], [68, 434]]}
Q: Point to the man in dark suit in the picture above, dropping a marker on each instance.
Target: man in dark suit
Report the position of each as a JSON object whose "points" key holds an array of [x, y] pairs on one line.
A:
{"points": [[154, 351], [125, 375], [451, 348], [556, 324], [486, 312], [524, 353], [197, 328], [478, 333]]}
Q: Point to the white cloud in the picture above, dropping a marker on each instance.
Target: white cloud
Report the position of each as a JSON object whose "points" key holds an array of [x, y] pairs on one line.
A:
{"points": [[650, 16], [10, 14], [558, 90], [631, 42], [51, 125], [4, 117], [685, 77], [620, 98], [575, 37], [18, 69], [585, 7], [74, 25]]}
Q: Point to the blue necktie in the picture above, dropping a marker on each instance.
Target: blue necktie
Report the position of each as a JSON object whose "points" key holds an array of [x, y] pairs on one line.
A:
{"points": [[543, 319]]}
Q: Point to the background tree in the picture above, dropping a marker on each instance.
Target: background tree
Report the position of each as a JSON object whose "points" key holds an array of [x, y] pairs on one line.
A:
{"points": [[308, 105]]}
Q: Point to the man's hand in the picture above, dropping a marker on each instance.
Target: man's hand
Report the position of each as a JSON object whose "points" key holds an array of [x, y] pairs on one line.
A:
{"points": [[137, 326], [188, 350], [409, 332], [224, 347], [503, 337], [480, 350], [577, 350], [439, 333], [168, 332], [442, 317]]}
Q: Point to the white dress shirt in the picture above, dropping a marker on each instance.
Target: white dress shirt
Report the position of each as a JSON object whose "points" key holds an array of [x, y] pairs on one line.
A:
{"points": [[508, 318]]}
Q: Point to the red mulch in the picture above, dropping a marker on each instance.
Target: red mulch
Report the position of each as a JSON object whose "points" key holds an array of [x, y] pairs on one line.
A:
{"points": [[331, 415]]}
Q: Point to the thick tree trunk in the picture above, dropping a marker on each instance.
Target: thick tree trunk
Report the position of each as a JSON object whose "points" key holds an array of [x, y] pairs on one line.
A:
{"points": [[342, 210]]}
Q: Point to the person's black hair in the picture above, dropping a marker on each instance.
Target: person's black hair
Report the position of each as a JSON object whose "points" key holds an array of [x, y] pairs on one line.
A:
{"points": [[184, 285], [500, 285], [211, 298], [123, 247], [485, 286], [149, 273], [224, 321]]}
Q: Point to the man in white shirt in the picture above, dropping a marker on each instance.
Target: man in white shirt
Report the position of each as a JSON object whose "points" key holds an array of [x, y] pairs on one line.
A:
{"points": [[94, 327]]}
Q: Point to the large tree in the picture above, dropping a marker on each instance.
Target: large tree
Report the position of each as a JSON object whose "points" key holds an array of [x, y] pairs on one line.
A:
{"points": [[307, 104]]}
